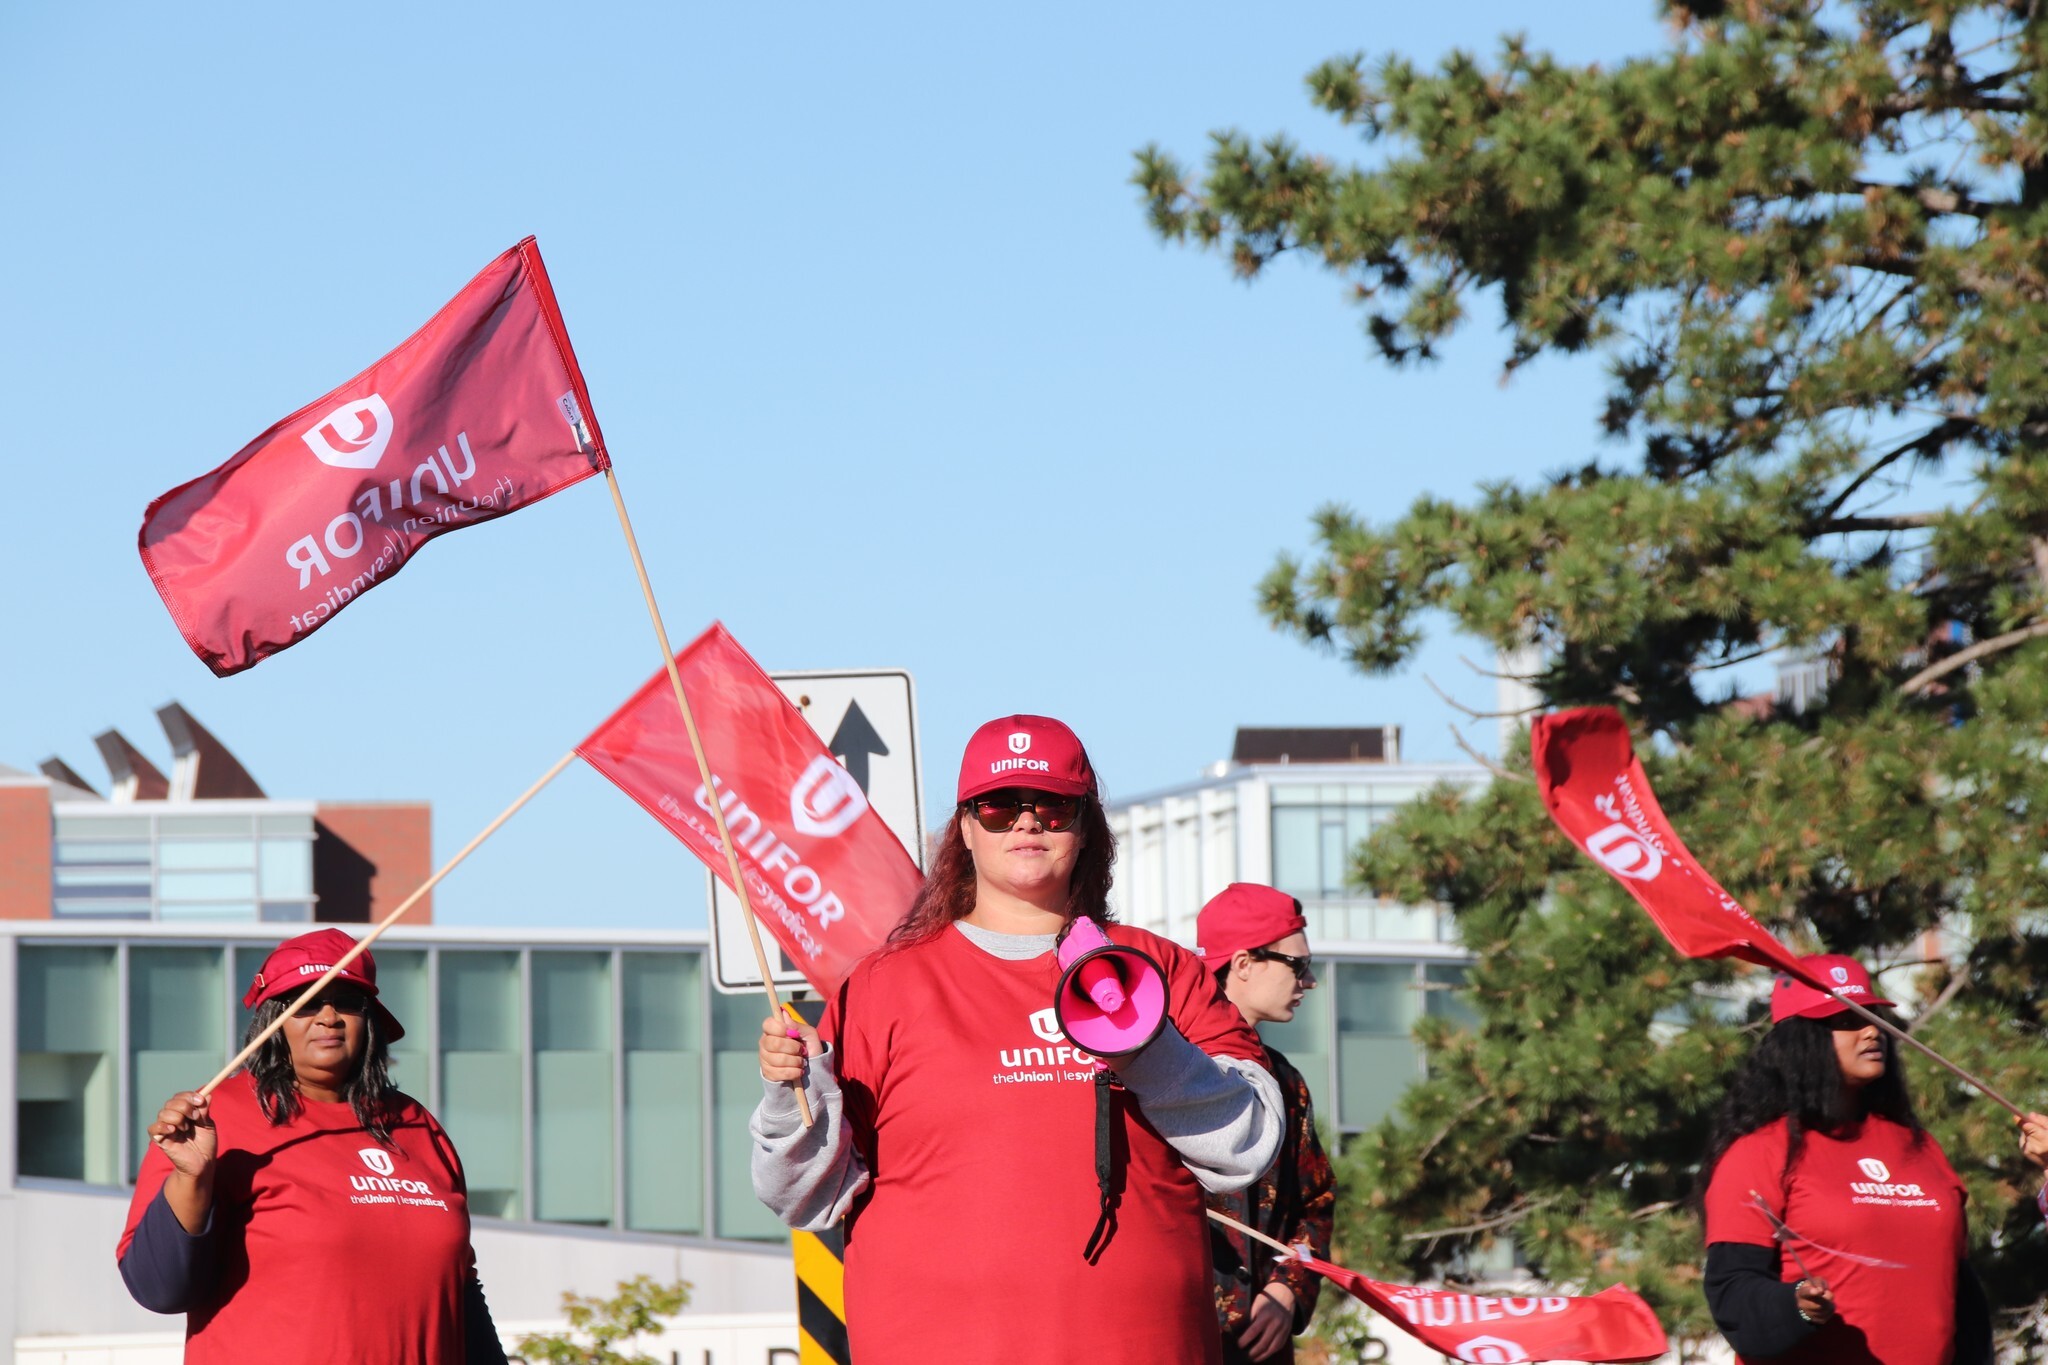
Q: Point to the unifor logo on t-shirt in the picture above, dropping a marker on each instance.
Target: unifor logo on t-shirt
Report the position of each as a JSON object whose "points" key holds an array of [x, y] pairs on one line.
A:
{"points": [[1880, 1188], [1028, 1065]]}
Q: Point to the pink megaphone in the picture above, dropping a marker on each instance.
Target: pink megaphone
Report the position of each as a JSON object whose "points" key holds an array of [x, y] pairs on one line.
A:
{"points": [[1111, 999]]}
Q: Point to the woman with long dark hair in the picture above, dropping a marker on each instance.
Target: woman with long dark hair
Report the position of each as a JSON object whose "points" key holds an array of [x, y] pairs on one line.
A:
{"points": [[996, 1211], [309, 1211], [1835, 1226]]}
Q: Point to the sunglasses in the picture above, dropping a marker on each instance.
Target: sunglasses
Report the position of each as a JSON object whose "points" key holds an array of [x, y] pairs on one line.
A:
{"points": [[1302, 967], [999, 812], [345, 1000]]}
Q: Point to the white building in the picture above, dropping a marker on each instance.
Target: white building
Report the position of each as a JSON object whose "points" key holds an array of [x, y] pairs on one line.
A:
{"points": [[1287, 809]]}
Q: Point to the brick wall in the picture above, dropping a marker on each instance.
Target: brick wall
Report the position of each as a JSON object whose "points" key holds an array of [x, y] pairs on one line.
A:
{"points": [[370, 855], [25, 851]]}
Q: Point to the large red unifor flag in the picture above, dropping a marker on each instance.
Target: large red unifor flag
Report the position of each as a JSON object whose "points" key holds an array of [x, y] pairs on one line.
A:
{"points": [[1597, 792], [479, 413], [1612, 1325], [822, 869]]}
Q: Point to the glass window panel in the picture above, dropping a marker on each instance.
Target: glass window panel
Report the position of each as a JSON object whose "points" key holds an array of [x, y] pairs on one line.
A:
{"points": [[177, 1007], [1293, 796], [69, 827], [402, 987], [206, 886], [664, 1100], [287, 912], [238, 854], [1405, 923], [76, 852], [572, 1087], [736, 1089], [204, 826], [102, 881], [1376, 1005], [286, 870], [100, 910], [1306, 1040], [1295, 856], [208, 912], [285, 824], [481, 1084], [1336, 855], [66, 1074], [1447, 998], [248, 962]]}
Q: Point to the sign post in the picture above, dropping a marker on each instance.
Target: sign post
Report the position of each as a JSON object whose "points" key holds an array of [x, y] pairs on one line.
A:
{"points": [[868, 719]]}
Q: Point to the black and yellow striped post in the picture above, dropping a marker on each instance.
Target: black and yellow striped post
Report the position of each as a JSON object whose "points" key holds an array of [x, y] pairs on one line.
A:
{"points": [[821, 1296]]}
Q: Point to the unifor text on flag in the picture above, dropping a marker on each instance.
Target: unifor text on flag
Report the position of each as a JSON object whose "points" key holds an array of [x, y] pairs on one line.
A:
{"points": [[1597, 792], [479, 413], [823, 871]]}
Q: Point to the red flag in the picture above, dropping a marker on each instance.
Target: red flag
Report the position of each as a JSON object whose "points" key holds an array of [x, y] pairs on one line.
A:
{"points": [[479, 413], [823, 871], [1612, 1325], [1598, 794]]}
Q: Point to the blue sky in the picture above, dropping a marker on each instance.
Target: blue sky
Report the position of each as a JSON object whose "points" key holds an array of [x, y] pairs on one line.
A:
{"points": [[892, 370]]}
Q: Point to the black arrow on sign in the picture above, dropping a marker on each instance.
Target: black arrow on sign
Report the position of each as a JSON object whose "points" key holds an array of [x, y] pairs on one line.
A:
{"points": [[854, 741]]}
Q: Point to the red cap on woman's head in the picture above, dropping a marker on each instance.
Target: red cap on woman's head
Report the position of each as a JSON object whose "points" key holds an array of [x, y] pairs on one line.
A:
{"points": [[1244, 915], [1794, 999], [298, 962], [1025, 751]]}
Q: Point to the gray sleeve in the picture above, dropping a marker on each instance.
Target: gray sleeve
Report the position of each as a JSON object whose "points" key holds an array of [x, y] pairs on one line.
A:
{"points": [[1223, 1115], [808, 1177]]}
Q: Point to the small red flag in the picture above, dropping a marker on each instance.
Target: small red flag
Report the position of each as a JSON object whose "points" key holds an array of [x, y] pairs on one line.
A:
{"points": [[479, 413], [1612, 1325], [823, 871], [1597, 792]]}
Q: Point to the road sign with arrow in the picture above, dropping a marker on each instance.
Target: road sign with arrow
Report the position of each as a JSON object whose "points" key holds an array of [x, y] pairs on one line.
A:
{"points": [[868, 719]]}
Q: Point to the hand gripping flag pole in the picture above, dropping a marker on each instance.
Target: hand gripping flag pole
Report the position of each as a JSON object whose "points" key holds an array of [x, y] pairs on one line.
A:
{"points": [[1596, 791], [363, 944], [1613, 1325], [732, 858]]}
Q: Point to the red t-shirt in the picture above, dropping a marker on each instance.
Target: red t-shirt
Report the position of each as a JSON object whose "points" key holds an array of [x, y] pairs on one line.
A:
{"points": [[330, 1248], [1870, 1191], [977, 1125]]}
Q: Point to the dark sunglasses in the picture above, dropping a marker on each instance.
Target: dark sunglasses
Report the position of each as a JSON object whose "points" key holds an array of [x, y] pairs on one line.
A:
{"points": [[345, 1001], [1302, 967], [998, 812]]}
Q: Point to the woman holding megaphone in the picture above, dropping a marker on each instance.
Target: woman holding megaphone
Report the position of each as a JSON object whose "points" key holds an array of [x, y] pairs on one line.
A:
{"points": [[1003, 1204]]}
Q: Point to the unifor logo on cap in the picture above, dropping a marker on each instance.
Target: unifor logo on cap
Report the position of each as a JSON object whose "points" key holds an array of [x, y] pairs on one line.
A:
{"points": [[1875, 1169], [377, 1159], [353, 436], [1840, 974], [1020, 742]]}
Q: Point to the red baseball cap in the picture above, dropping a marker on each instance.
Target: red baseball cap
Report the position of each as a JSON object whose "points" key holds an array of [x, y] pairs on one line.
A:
{"points": [[298, 962], [1243, 915], [1037, 752], [1794, 999]]}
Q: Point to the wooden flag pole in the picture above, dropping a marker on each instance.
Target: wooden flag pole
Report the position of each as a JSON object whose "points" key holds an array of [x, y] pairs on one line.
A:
{"points": [[732, 857], [362, 944], [1273, 1242]]}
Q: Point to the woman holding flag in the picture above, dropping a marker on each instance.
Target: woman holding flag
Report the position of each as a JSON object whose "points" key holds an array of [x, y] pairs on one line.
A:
{"points": [[957, 1130], [1834, 1225], [308, 1211]]}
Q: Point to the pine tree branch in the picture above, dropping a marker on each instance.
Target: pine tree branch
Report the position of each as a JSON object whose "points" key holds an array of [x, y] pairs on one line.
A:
{"points": [[1928, 441], [1937, 200], [1478, 1101], [1515, 1214], [1483, 761], [1904, 521], [1453, 702], [1948, 993], [1731, 660], [1997, 644]]}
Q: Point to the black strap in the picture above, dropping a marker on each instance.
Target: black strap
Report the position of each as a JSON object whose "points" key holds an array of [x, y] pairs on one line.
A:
{"points": [[1105, 1166]]}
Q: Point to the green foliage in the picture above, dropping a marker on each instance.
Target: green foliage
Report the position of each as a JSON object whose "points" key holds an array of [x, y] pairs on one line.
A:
{"points": [[1810, 245], [634, 1311]]}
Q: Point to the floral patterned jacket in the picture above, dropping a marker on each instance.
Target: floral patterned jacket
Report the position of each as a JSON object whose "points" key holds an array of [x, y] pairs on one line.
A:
{"points": [[1294, 1201]]}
